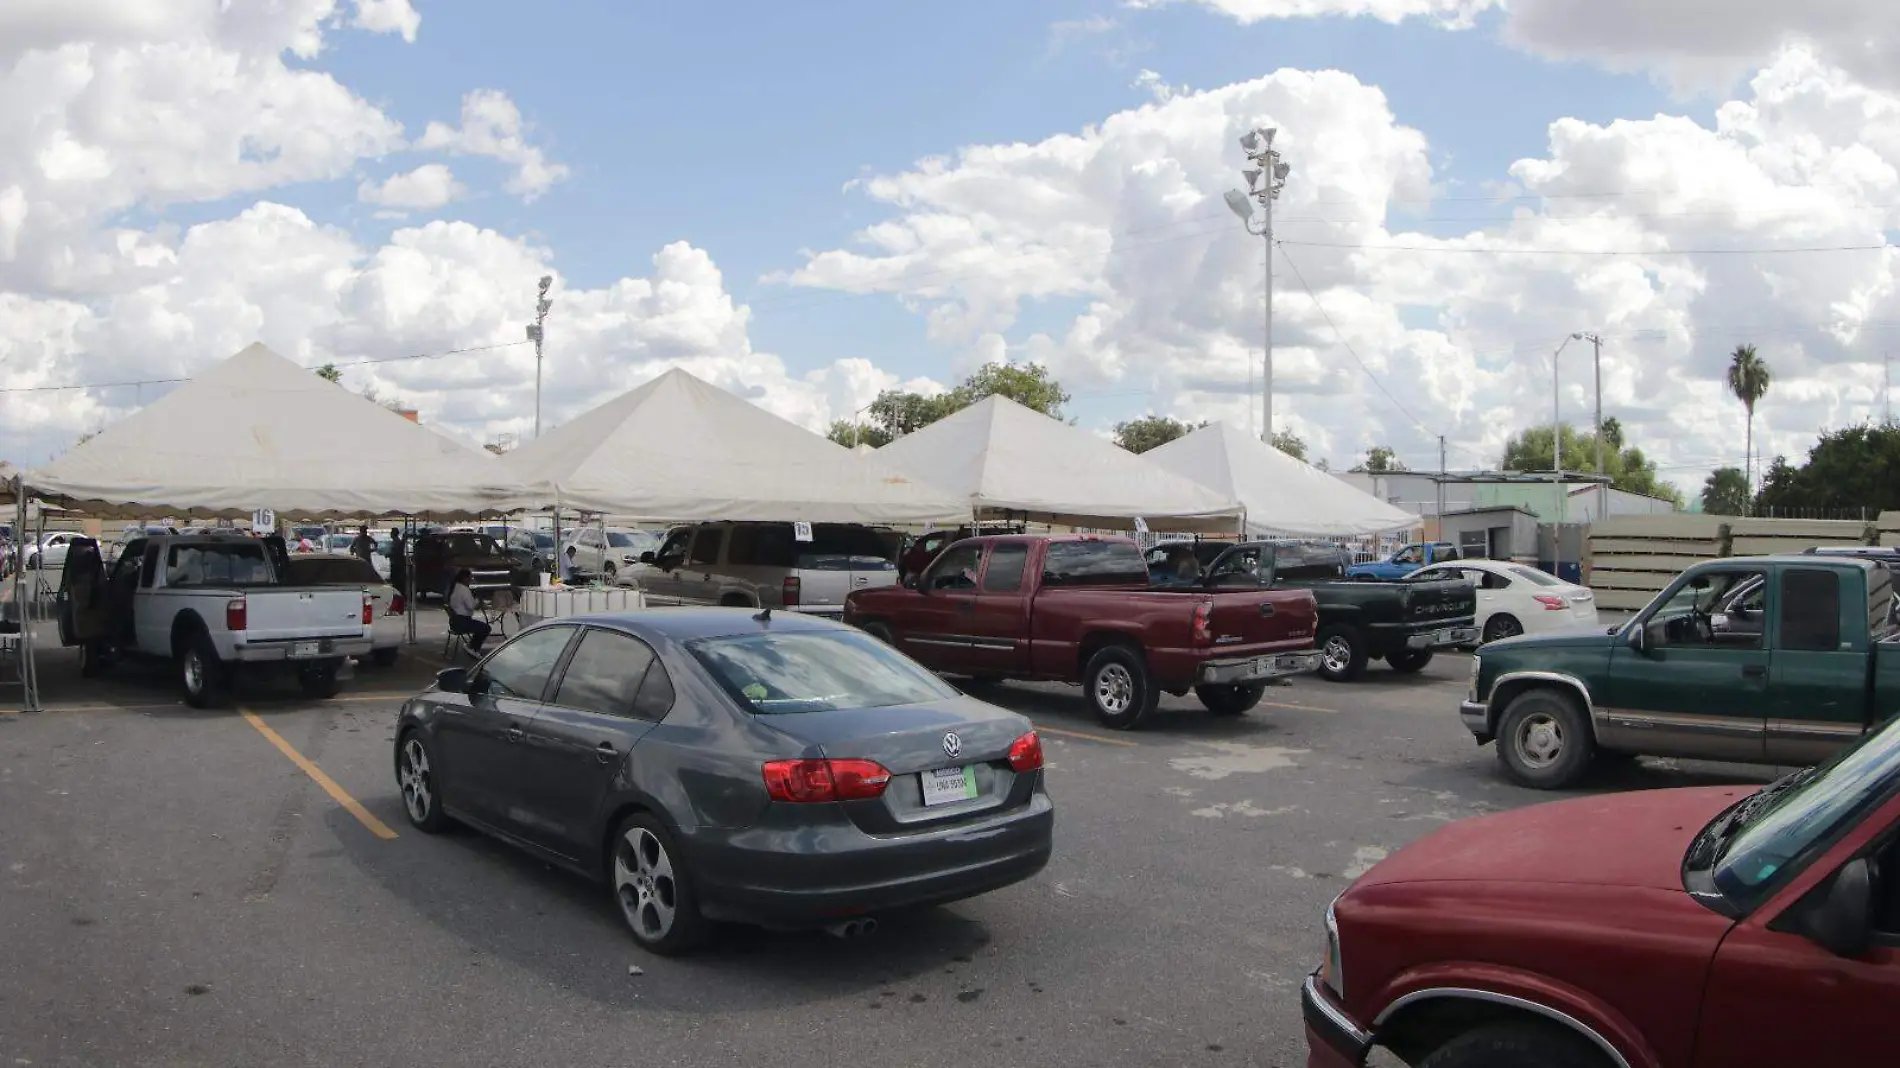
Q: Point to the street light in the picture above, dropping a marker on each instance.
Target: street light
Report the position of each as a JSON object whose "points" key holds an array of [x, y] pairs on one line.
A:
{"points": [[1596, 343], [536, 333], [1264, 181]]}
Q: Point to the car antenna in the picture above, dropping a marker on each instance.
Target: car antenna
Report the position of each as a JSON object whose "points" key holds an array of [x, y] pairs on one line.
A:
{"points": [[765, 615]]}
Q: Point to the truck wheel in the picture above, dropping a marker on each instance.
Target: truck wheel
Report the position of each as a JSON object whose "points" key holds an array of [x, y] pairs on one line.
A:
{"points": [[609, 572], [200, 672], [1510, 1045], [1231, 699], [1544, 740], [882, 632], [319, 680], [1342, 654], [1119, 688], [1409, 661]]}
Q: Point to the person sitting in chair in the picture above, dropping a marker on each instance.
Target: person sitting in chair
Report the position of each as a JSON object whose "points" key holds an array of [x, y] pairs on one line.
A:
{"points": [[462, 613]]}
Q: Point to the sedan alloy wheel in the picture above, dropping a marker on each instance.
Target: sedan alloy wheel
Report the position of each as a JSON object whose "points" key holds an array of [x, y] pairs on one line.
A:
{"points": [[653, 892]]}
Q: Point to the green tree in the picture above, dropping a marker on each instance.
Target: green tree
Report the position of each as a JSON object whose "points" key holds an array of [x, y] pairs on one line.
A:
{"points": [[896, 413], [1725, 492], [1628, 468], [329, 373], [1748, 378], [1847, 471], [850, 434], [1379, 460], [1151, 431], [1290, 443]]}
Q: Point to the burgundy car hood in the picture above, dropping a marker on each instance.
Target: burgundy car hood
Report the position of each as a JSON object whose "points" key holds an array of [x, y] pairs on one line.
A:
{"points": [[1633, 839]]}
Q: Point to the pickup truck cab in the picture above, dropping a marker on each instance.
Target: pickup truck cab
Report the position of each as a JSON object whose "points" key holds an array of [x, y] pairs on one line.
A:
{"points": [[210, 604], [1078, 608], [1402, 623], [1767, 660], [1711, 927], [1404, 562]]}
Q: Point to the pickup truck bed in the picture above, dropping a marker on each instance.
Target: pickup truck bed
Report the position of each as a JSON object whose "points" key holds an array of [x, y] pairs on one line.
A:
{"points": [[1079, 609]]}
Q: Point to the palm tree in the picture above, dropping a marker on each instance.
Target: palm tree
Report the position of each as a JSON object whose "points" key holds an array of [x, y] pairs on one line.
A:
{"points": [[1748, 379]]}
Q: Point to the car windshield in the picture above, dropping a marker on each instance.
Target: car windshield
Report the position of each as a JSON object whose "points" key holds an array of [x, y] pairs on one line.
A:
{"points": [[1534, 576], [775, 674], [1803, 812]]}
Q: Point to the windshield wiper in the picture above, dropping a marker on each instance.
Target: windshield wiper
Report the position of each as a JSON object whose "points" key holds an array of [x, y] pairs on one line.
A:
{"points": [[1715, 839]]}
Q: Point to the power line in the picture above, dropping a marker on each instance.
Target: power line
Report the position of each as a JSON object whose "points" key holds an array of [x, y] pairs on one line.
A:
{"points": [[338, 366], [1596, 252]]}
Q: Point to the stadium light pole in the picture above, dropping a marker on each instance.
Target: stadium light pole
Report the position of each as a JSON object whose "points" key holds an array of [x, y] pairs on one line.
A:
{"points": [[536, 333], [1265, 179]]}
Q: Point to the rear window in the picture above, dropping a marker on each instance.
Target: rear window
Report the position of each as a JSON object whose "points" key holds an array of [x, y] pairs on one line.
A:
{"points": [[1093, 563], [1308, 563], [1535, 577], [833, 547], [469, 545], [335, 571], [779, 674], [230, 563]]}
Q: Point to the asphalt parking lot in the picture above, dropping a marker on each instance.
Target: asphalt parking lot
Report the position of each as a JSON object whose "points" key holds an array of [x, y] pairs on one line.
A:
{"points": [[239, 887]]}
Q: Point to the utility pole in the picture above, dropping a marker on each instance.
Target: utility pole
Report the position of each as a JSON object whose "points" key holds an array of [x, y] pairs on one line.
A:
{"points": [[1596, 344], [1440, 516], [1557, 460], [536, 334], [1886, 393], [1265, 179]]}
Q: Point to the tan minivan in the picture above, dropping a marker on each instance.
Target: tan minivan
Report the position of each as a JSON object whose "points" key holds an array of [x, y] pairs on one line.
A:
{"points": [[764, 565]]}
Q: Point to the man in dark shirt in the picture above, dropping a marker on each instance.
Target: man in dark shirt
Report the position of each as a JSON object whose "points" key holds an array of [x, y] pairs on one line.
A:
{"points": [[364, 547]]}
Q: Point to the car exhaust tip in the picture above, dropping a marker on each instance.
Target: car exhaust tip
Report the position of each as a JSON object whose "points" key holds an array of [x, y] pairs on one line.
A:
{"points": [[849, 929]]}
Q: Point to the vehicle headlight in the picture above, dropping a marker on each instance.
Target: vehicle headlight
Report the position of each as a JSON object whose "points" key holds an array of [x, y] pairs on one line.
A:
{"points": [[1331, 972]]}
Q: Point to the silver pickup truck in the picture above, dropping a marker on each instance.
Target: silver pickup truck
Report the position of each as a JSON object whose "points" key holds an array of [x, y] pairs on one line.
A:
{"points": [[210, 604]]}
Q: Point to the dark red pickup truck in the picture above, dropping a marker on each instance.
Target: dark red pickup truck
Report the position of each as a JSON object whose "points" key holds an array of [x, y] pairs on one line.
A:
{"points": [[1078, 608]]}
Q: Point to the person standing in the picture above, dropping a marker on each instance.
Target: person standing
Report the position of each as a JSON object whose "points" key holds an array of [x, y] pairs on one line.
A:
{"points": [[364, 547], [398, 562]]}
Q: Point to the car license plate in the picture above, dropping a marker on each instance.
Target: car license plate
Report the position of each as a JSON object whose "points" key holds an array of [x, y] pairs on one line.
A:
{"points": [[1456, 636], [304, 649], [945, 785]]}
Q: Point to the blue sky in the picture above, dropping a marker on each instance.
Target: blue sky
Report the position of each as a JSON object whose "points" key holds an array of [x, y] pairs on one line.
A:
{"points": [[737, 125]]}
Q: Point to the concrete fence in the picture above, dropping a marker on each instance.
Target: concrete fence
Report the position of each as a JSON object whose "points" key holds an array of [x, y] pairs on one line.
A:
{"points": [[1630, 559]]}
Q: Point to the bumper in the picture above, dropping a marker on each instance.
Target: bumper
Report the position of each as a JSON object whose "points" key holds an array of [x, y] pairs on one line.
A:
{"points": [[790, 878], [1333, 1038], [1257, 668], [287, 652], [1443, 638], [1477, 717]]}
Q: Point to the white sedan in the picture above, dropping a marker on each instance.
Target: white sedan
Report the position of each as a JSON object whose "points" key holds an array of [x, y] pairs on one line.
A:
{"points": [[1517, 599]]}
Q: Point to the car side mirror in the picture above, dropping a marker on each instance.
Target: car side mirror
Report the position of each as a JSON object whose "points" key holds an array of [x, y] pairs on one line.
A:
{"points": [[1639, 638], [452, 680], [1839, 917], [646, 558], [910, 582]]}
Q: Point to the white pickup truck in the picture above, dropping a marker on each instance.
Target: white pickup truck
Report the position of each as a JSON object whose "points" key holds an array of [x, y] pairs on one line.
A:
{"points": [[210, 605]]}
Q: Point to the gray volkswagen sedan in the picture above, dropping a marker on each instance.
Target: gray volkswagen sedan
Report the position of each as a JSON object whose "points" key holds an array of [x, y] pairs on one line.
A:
{"points": [[729, 764]]}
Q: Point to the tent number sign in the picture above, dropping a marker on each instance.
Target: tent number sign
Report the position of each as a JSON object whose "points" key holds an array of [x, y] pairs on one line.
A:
{"points": [[801, 531], [263, 519]]}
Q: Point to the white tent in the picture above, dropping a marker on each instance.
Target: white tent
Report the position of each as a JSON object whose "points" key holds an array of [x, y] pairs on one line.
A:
{"points": [[258, 431], [682, 448], [1004, 457], [1282, 495]]}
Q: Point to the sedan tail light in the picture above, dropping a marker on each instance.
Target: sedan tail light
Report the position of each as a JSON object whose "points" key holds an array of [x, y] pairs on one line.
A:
{"points": [[788, 591], [1203, 633], [237, 614], [369, 610], [397, 606], [1550, 603], [1025, 753], [815, 781]]}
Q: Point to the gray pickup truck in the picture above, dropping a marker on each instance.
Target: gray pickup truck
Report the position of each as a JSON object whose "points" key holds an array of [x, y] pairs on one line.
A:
{"points": [[210, 604]]}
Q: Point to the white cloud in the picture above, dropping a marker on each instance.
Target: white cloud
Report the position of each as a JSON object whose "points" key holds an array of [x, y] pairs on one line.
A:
{"points": [[388, 16], [427, 187], [1125, 219], [1458, 13], [492, 127]]}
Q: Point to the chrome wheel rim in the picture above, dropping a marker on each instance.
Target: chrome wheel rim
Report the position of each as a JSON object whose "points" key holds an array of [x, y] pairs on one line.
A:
{"points": [[412, 771], [645, 885], [1337, 655], [1539, 740], [1505, 628], [1114, 689], [194, 672]]}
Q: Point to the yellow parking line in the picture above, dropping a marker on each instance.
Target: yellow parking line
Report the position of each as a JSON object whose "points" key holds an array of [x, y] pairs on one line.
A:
{"points": [[1102, 738], [1297, 708], [350, 804]]}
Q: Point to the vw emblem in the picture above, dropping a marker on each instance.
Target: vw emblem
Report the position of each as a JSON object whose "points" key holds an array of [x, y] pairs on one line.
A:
{"points": [[952, 745]]}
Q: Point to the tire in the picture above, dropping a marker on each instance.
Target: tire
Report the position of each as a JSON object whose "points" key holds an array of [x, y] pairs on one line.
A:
{"points": [[1119, 688], [609, 571], [1342, 653], [882, 632], [385, 657], [33, 562], [200, 673], [1232, 699], [652, 888], [1544, 740], [416, 781], [1515, 1045], [92, 660], [319, 680], [1500, 626], [1409, 661]]}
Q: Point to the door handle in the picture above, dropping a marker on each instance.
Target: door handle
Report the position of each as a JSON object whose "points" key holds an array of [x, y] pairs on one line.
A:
{"points": [[1266, 609], [967, 607], [604, 752], [514, 734], [1754, 671]]}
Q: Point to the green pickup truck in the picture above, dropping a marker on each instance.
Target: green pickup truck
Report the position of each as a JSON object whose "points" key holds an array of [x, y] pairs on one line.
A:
{"points": [[1764, 660]]}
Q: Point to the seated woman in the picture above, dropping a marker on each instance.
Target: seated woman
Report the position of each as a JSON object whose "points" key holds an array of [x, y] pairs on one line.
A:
{"points": [[462, 613]]}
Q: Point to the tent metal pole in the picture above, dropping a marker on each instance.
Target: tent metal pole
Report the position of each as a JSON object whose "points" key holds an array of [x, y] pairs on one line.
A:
{"points": [[29, 678], [409, 574], [29, 664]]}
